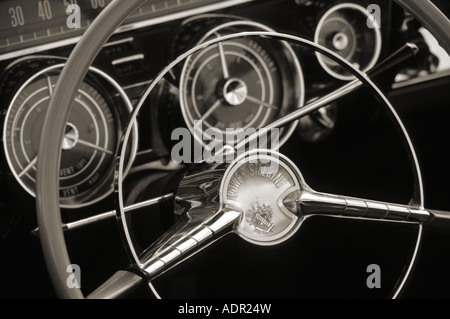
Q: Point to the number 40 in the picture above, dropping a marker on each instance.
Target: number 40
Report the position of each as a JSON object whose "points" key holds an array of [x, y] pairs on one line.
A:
{"points": [[45, 10]]}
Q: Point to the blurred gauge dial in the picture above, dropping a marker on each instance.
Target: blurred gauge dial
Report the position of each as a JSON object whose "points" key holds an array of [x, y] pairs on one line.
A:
{"points": [[343, 29], [90, 141]]}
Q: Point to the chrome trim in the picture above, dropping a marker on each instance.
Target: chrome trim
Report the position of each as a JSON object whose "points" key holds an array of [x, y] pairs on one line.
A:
{"points": [[317, 104], [128, 59], [153, 290], [284, 222], [121, 284], [285, 37], [279, 36], [411, 264], [312, 203], [128, 27], [112, 213], [188, 242]]}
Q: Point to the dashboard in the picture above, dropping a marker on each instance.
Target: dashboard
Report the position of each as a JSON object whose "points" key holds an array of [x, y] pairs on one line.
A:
{"points": [[32, 26], [268, 81], [127, 65]]}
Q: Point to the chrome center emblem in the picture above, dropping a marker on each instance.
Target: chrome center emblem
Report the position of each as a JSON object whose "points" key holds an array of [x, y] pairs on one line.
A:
{"points": [[260, 217], [258, 183]]}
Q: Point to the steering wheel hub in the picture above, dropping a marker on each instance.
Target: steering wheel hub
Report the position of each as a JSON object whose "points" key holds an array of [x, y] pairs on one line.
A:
{"points": [[259, 182]]}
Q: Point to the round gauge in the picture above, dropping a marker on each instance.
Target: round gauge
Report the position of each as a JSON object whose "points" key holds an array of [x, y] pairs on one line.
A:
{"points": [[343, 29], [90, 141], [240, 84], [193, 29]]}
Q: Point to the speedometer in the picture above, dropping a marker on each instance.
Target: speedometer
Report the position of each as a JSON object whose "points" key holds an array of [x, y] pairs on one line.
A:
{"points": [[248, 96], [240, 84], [89, 144]]}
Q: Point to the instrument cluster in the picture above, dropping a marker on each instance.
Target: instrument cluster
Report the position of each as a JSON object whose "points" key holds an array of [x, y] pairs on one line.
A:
{"points": [[236, 84]]}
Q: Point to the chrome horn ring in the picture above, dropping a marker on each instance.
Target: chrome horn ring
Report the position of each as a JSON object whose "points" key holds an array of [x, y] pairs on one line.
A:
{"points": [[250, 219]]}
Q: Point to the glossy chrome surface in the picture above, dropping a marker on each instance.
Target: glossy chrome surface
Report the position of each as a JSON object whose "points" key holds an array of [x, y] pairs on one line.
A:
{"points": [[317, 203], [259, 182], [190, 241], [110, 214], [260, 223], [235, 92], [357, 205], [201, 219], [262, 197]]}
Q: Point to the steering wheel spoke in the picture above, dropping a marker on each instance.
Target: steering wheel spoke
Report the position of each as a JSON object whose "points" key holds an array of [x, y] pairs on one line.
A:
{"points": [[95, 218], [314, 203], [182, 242], [178, 245]]}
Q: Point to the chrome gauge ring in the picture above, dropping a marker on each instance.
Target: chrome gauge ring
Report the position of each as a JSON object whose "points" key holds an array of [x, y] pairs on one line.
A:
{"points": [[90, 142], [243, 83], [343, 29]]}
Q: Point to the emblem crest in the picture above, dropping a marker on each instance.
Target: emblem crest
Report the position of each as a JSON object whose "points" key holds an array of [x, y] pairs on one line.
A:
{"points": [[260, 217]]}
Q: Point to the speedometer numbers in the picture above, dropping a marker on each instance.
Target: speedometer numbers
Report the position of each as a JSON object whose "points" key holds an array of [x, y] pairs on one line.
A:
{"points": [[90, 141]]}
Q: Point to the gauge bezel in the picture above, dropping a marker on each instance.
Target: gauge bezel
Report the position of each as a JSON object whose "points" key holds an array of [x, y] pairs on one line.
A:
{"points": [[375, 29], [290, 56], [128, 108]]}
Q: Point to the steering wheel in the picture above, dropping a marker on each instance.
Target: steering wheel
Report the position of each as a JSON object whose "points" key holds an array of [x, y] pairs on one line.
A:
{"points": [[226, 214]]}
